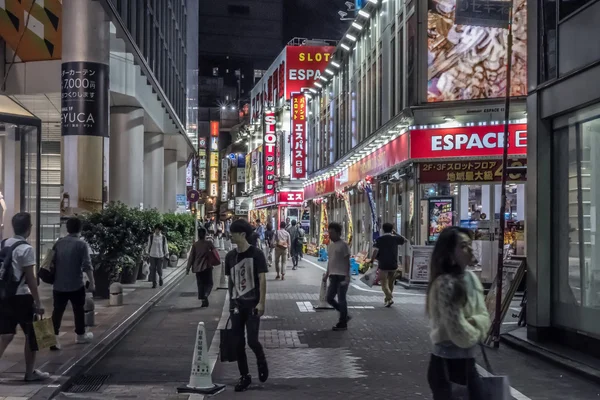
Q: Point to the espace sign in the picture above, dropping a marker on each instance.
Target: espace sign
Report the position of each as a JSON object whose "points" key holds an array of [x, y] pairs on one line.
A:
{"points": [[304, 65], [269, 152], [469, 141]]}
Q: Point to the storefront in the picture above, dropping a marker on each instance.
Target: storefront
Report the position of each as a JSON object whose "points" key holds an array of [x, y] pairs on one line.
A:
{"points": [[20, 173], [274, 208]]}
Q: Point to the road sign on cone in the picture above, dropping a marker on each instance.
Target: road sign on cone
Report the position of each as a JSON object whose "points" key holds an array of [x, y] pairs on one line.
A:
{"points": [[200, 376], [323, 305]]}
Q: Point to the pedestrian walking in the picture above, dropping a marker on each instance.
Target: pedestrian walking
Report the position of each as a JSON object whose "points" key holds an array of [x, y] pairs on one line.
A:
{"points": [[260, 231], [386, 253], [158, 251], [269, 245], [338, 272], [20, 307], [71, 261], [296, 237], [200, 264], [457, 313], [246, 268], [282, 243]]}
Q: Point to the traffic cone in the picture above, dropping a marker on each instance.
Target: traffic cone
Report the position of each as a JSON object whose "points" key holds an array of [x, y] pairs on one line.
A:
{"points": [[200, 376], [223, 279], [323, 305]]}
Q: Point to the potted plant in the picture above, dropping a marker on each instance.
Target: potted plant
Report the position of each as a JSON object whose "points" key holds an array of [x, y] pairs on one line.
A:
{"points": [[129, 269]]}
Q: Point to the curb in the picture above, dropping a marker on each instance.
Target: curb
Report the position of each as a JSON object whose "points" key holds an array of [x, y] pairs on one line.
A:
{"points": [[110, 339], [552, 357]]}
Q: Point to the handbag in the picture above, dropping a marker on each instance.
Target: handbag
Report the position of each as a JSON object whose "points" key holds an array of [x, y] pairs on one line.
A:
{"points": [[370, 276], [229, 343], [214, 258], [47, 271], [44, 333], [495, 387]]}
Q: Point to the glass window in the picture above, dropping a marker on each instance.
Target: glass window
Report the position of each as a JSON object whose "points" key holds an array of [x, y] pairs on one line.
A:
{"points": [[566, 7]]}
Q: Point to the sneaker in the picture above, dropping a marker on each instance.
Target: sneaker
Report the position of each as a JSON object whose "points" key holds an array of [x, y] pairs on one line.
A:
{"points": [[340, 327], [204, 303], [85, 338], [283, 277], [36, 376], [348, 318], [243, 383], [160, 282], [389, 303], [294, 268], [263, 370]]}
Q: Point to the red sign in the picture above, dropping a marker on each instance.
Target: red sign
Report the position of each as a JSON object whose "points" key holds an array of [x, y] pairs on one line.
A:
{"points": [[468, 141], [320, 188], [298, 138], [393, 153], [214, 128], [304, 65], [291, 198], [265, 200], [468, 171], [269, 152]]}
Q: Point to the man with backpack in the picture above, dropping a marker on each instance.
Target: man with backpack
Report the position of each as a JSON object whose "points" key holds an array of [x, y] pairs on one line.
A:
{"points": [[19, 297], [158, 250], [296, 236]]}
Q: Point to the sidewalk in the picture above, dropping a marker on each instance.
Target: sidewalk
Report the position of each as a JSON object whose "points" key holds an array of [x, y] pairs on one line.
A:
{"points": [[111, 324]]}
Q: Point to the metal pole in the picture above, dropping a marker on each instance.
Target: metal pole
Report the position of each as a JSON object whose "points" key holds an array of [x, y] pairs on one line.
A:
{"points": [[498, 312]]}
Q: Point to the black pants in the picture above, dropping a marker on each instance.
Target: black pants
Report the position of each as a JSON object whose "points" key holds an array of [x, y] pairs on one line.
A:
{"points": [[445, 371], [247, 321], [295, 255], [337, 289], [77, 299], [156, 266], [205, 283]]}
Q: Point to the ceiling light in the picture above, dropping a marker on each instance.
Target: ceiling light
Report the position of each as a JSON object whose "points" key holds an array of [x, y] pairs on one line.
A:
{"points": [[351, 37], [313, 90], [324, 78], [363, 13], [335, 64], [373, 1], [357, 26], [317, 84], [328, 71], [343, 46]]}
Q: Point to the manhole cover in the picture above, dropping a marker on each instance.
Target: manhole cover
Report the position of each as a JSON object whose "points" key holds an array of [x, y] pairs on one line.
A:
{"points": [[88, 383]]}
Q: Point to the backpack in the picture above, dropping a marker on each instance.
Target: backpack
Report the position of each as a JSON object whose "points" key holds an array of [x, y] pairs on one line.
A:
{"points": [[8, 283]]}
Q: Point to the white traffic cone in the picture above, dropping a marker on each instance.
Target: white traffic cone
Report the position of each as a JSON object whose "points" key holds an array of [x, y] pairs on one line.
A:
{"points": [[200, 376], [223, 279], [323, 305]]}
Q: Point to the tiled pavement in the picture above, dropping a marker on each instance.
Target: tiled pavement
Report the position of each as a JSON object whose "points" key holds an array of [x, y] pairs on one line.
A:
{"points": [[384, 354]]}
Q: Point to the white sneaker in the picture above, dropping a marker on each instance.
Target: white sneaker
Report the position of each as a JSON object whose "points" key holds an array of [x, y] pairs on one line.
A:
{"points": [[57, 346], [85, 338], [36, 376]]}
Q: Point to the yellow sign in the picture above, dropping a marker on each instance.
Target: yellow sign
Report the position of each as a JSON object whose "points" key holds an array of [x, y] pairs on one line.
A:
{"points": [[214, 174], [214, 160]]}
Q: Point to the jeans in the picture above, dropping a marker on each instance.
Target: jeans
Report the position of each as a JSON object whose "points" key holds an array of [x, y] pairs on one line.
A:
{"points": [[156, 266], [205, 283], [443, 372], [337, 288], [295, 250], [387, 279], [246, 324], [280, 260], [77, 299]]}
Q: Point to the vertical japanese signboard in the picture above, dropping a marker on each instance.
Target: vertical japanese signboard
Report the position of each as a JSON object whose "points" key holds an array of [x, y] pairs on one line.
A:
{"points": [[298, 140], [269, 152]]}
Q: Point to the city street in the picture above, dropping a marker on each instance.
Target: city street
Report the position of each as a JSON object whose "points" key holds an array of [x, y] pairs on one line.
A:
{"points": [[383, 355]]}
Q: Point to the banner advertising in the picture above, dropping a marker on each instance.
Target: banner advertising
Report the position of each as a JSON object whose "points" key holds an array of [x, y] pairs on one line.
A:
{"points": [[468, 62], [241, 205], [298, 137], [468, 141], [323, 232], [188, 174], [441, 215], [468, 171], [349, 213], [240, 175], [224, 170], [304, 65], [248, 170], [265, 200], [269, 152], [373, 205]]}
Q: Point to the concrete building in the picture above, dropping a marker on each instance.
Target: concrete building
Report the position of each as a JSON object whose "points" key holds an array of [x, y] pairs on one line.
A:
{"points": [[109, 83]]}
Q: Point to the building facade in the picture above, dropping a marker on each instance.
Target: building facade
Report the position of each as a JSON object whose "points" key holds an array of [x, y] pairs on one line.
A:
{"points": [[564, 119]]}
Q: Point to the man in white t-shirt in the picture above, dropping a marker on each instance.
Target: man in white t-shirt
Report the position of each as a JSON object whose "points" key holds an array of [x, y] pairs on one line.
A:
{"points": [[338, 272], [21, 308]]}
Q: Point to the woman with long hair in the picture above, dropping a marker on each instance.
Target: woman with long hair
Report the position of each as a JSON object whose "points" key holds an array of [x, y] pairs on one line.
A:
{"points": [[457, 313]]}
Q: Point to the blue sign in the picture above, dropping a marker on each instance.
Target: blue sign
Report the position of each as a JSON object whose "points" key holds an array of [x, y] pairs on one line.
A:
{"points": [[358, 4], [241, 160], [181, 200]]}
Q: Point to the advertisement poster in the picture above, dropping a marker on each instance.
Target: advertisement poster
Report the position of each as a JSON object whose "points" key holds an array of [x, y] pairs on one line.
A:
{"points": [[304, 65], [469, 62], [441, 211], [305, 221], [349, 214], [323, 232], [373, 206], [298, 137], [421, 256]]}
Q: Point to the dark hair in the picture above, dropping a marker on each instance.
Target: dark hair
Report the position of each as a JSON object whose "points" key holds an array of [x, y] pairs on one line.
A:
{"points": [[21, 223], [294, 222], [336, 227], [201, 233], [258, 221], [282, 225], [158, 226], [241, 226], [269, 226], [253, 239], [442, 263], [387, 227], [74, 225]]}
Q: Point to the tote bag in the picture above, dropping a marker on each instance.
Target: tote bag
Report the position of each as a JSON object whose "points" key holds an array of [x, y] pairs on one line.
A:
{"points": [[44, 333], [228, 344]]}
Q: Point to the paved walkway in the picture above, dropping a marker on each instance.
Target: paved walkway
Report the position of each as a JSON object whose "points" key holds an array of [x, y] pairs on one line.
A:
{"points": [[62, 364], [383, 355]]}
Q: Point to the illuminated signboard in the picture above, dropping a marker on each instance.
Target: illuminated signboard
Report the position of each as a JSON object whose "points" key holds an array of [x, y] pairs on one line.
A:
{"points": [[214, 144], [214, 174], [201, 143], [269, 152], [304, 65], [214, 189], [214, 160], [298, 137], [214, 128]]}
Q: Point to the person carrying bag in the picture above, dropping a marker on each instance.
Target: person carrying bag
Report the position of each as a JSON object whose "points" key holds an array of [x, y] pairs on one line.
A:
{"points": [[203, 257]]}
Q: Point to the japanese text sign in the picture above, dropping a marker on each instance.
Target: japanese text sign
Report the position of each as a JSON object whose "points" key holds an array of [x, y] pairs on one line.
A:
{"points": [[269, 152], [320, 188], [265, 200], [468, 171], [291, 198], [489, 13], [298, 138], [214, 128], [304, 65]]}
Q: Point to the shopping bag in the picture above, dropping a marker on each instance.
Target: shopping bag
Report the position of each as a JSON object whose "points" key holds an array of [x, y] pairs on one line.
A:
{"points": [[44, 333], [229, 343], [145, 269], [370, 276], [495, 387]]}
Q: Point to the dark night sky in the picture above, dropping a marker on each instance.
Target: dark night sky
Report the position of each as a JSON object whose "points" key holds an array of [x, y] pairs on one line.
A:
{"points": [[314, 19]]}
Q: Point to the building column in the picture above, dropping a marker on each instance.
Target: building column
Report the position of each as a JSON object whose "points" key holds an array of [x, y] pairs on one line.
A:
{"points": [[154, 170], [85, 106], [181, 177], [170, 177], [127, 155]]}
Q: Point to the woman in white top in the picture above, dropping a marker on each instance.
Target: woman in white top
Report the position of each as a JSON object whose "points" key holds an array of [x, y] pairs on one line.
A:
{"points": [[458, 315]]}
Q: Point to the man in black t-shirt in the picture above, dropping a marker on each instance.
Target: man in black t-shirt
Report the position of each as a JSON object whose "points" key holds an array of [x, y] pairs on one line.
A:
{"points": [[386, 253], [246, 268]]}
